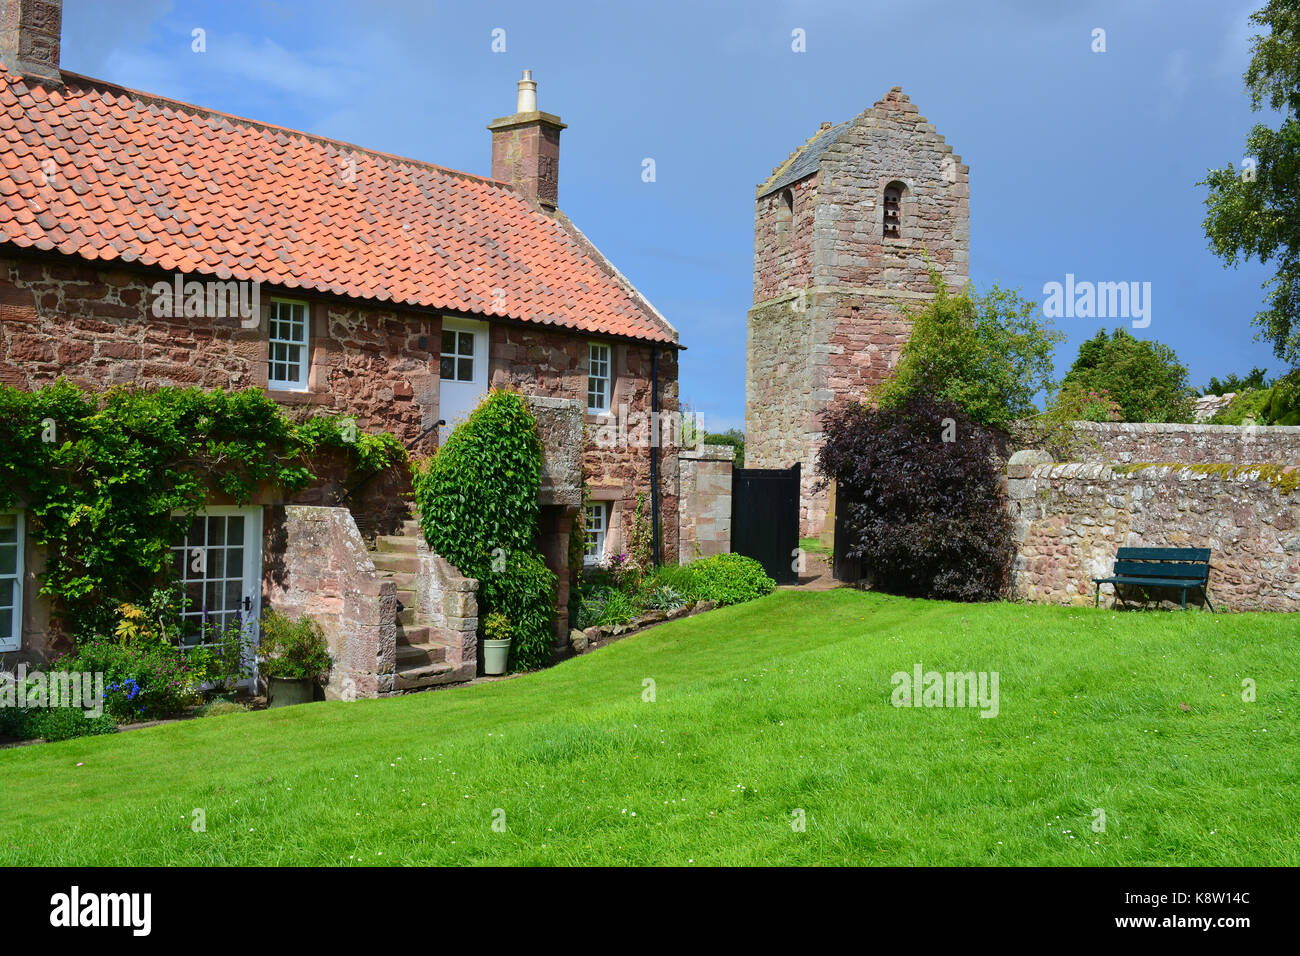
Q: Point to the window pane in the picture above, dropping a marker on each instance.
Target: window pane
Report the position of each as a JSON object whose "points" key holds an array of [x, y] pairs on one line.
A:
{"points": [[447, 368], [466, 343], [448, 341], [8, 559], [6, 594], [8, 528], [466, 370]]}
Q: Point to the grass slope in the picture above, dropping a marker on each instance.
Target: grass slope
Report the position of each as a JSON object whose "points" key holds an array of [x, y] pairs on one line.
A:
{"points": [[759, 710]]}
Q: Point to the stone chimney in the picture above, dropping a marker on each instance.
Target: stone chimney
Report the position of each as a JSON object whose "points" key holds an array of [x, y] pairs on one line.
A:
{"points": [[29, 38], [526, 147]]}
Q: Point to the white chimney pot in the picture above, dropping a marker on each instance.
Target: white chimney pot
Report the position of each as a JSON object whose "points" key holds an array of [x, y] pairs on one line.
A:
{"points": [[527, 94]]}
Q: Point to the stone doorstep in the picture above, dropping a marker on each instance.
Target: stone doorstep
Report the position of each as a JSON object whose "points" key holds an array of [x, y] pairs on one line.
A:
{"points": [[433, 675]]}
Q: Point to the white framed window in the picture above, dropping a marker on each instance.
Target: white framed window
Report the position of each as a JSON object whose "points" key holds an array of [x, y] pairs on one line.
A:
{"points": [[11, 580], [457, 356], [289, 331], [597, 525], [599, 366]]}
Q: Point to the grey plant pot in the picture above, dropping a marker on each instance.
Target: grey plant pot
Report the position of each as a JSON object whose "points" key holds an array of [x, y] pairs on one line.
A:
{"points": [[495, 656]]}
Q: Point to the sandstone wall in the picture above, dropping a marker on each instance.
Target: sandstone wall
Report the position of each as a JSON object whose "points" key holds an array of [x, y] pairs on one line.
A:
{"points": [[553, 364], [97, 328], [705, 502], [1071, 518], [317, 564]]}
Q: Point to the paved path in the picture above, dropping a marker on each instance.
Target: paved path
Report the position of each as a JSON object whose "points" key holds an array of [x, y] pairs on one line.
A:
{"points": [[816, 575]]}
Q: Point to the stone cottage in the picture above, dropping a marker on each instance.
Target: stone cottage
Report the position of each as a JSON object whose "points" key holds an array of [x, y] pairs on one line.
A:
{"points": [[841, 232], [147, 241]]}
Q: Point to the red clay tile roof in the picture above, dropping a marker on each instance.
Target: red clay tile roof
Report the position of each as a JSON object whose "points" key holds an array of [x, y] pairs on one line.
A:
{"points": [[105, 173]]}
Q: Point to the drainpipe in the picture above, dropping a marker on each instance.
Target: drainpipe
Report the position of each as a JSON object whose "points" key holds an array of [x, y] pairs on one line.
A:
{"points": [[654, 448]]}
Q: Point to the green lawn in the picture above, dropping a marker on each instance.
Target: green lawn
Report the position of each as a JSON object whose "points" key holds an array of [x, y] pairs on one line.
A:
{"points": [[762, 709]]}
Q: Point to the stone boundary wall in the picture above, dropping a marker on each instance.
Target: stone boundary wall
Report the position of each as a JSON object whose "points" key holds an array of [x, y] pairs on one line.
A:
{"points": [[1186, 444], [1070, 519], [704, 516], [317, 564]]}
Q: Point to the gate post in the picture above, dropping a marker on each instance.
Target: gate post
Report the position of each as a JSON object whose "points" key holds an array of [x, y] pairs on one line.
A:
{"points": [[704, 504]]}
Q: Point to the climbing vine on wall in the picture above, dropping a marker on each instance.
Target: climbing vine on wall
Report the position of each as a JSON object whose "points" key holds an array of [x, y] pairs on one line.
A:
{"points": [[101, 476]]}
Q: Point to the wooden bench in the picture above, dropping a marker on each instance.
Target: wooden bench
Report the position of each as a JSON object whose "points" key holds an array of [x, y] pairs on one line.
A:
{"points": [[1182, 568]]}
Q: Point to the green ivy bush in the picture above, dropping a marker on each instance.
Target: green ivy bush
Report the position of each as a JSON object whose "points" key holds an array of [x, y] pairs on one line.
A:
{"points": [[524, 591], [478, 509], [729, 579], [100, 477]]}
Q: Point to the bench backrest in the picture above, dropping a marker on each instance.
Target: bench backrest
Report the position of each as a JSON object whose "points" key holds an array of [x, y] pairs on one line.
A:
{"points": [[1191, 563]]}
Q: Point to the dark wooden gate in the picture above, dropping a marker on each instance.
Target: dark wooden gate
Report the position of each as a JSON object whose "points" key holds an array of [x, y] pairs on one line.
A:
{"points": [[765, 519]]}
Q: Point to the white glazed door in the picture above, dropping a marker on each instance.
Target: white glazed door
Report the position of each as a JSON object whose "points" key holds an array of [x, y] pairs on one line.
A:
{"points": [[218, 566], [462, 371]]}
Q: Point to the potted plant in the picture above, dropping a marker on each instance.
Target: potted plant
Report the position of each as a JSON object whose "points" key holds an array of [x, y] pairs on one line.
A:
{"points": [[496, 643], [292, 656]]}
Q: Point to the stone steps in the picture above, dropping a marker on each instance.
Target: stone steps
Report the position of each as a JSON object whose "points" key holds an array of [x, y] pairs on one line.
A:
{"points": [[395, 561], [396, 544], [421, 654], [415, 656], [414, 634]]}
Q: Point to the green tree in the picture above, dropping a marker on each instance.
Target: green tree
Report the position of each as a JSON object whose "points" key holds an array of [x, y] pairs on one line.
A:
{"points": [[1237, 383], [1143, 376], [1253, 212], [988, 353], [734, 437]]}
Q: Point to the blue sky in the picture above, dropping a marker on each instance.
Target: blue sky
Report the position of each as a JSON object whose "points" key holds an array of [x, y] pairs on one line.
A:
{"points": [[1081, 162]]}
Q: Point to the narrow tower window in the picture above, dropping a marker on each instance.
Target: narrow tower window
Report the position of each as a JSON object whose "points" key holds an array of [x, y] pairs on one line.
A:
{"points": [[784, 218], [893, 210]]}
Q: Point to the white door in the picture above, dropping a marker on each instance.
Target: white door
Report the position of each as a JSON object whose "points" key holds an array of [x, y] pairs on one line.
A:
{"points": [[219, 571], [462, 371], [11, 581]]}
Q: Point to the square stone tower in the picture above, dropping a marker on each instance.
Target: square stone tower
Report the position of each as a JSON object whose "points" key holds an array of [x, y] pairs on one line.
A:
{"points": [[841, 234]]}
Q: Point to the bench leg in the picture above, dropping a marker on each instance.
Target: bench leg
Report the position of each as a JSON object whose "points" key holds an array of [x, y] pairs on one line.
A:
{"points": [[1184, 599], [1206, 594], [1096, 601]]}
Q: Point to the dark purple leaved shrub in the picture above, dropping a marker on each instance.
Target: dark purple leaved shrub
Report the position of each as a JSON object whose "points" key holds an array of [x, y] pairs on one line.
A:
{"points": [[924, 516]]}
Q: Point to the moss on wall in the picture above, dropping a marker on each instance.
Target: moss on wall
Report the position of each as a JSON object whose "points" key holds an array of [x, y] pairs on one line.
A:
{"points": [[1285, 478]]}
